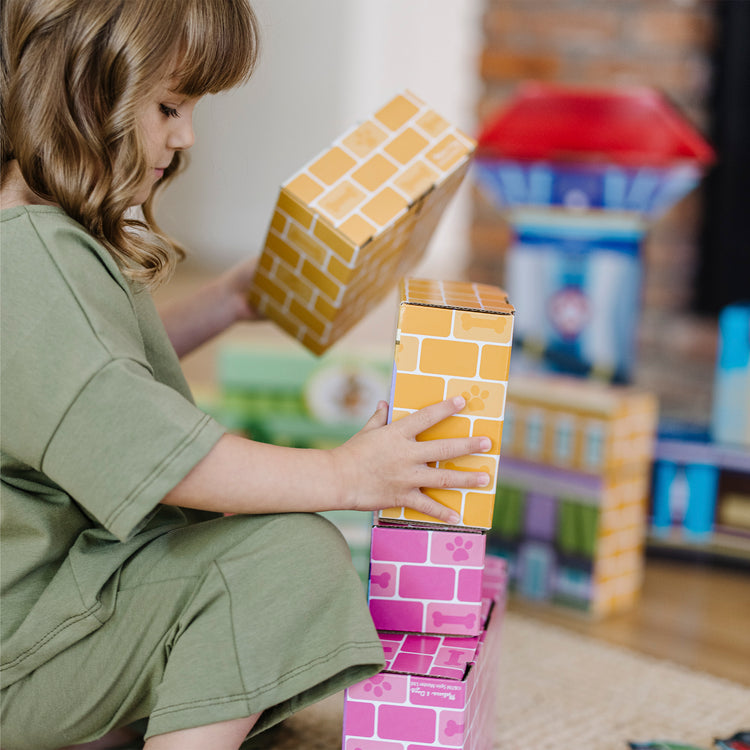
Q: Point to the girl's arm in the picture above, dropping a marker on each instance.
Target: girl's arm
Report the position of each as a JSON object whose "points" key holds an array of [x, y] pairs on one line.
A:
{"points": [[382, 466], [208, 312]]}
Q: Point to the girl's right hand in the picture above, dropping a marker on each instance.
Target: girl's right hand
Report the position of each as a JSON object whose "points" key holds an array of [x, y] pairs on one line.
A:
{"points": [[385, 465]]}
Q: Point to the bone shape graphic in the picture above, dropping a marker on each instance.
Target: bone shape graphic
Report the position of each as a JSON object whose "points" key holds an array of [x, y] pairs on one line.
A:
{"points": [[382, 579], [439, 618], [453, 727], [454, 660]]}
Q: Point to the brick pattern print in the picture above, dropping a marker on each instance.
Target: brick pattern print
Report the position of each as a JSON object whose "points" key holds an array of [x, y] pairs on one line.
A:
{"points": [[435, 597], [351, 222], [455, 338], [586, 449], [426, 581], [435, 692]]}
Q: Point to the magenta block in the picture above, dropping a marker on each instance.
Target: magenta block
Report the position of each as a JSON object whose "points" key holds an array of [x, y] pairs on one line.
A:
{"points": [[410, 724], [447, 701], [439, 569]]}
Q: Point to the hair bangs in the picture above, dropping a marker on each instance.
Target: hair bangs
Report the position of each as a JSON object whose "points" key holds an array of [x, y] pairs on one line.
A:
{"points": [[219, 46]]}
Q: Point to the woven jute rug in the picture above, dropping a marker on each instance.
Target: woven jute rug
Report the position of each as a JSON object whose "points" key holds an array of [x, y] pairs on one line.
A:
{"points": [[563, 691]]}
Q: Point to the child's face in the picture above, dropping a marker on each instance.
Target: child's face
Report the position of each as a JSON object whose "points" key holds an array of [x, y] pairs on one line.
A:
{"points": [[167, 125]]}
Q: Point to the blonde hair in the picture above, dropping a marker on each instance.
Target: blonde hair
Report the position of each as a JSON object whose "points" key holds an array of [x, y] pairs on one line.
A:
{"points": [[73, 74]]}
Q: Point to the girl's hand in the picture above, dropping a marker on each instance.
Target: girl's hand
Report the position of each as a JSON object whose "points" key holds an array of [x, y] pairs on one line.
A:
{"points": [[209, 311], [236, 287], [385, 466]]}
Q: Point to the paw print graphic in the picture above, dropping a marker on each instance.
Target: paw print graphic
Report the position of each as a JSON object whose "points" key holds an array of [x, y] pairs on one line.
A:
{"points": [[475, 398], [377, 686], [459, 548]]}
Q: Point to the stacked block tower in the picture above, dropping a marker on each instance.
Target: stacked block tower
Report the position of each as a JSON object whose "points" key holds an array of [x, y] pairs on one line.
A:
{"points": [[346, 228], [435, 596]]}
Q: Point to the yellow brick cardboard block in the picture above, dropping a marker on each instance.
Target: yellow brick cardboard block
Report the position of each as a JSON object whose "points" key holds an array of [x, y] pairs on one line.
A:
{"points": [[454, 338], [356, 218], [579, 425], [576, 467]]}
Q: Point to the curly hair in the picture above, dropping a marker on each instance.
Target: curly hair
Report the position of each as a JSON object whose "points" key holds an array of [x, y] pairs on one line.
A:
{"points": [[73, 74]]}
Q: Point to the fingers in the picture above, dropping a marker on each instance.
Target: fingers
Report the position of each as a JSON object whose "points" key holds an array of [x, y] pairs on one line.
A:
{"points": [[453, 479], [446, 449], [429, 416], [424, 504], [441, 478], [379, 418]]}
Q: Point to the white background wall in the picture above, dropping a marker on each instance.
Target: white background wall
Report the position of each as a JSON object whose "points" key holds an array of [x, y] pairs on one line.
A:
{"points": [[325, 65]]}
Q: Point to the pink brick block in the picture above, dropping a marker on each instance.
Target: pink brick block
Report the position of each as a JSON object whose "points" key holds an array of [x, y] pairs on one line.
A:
{"points": [[447, 699], [426, 581]]}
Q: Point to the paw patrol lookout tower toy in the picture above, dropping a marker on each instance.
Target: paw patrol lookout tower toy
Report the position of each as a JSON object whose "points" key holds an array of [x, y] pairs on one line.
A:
{"points": [[580, 174]]}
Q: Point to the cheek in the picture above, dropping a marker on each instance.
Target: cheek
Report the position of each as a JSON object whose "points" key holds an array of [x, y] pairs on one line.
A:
{"points": [[151, 132]]}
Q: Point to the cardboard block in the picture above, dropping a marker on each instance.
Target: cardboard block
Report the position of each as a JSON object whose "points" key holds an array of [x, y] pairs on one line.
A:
{"points": [[572, 539], [454, 338], [573, 491], [356, 218], [579, 425], [435, 692], [426, 580]]}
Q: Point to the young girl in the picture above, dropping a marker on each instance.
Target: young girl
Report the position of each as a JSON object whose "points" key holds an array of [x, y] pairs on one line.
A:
{"points": [[127, 594]]}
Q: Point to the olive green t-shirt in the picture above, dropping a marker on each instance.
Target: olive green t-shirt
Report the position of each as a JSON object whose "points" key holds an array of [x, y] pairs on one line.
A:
{"points": [[97, 424]]}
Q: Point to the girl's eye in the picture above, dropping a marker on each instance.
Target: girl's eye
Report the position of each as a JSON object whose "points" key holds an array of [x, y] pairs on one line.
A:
{"points": [[168, 111]]}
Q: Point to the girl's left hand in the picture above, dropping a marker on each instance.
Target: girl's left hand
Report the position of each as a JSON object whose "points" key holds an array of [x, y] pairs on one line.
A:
{"points": [[237, 281]]}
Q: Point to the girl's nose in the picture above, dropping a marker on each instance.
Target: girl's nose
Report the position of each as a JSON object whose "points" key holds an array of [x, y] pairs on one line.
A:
{"points": [[182, 136]]}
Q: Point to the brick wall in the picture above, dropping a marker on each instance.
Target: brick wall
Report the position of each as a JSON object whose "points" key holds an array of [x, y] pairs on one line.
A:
{"points": [[666, 44]]}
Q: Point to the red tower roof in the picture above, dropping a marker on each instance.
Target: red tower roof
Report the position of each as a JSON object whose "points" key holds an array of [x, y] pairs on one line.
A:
{"points": [[634, 126]]}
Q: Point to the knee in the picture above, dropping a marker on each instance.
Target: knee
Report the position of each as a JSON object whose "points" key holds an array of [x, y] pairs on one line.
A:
{"points": [[313, 537], [306, 545]]}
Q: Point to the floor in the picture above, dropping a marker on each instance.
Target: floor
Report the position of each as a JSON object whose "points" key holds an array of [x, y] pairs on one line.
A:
{"points": [[694, 614]]}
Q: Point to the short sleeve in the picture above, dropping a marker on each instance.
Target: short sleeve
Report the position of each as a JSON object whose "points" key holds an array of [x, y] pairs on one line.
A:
{"points": [[124, 442], [79, 399]]}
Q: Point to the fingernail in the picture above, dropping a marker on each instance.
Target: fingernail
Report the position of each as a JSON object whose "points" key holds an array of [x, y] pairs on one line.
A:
{"points": [[459, 402], [485, 444], [454, 519], [484, 480]]}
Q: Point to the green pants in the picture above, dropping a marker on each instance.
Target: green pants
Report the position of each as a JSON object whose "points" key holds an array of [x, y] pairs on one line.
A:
{"points": [[213, 622]]}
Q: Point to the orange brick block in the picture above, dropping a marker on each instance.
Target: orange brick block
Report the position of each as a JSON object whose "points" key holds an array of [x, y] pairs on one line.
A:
{"points": [[358, 216], [442, 353]]}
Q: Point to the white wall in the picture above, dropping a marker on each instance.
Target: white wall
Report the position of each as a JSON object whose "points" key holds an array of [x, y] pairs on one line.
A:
{"points": [[325, 65]]}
